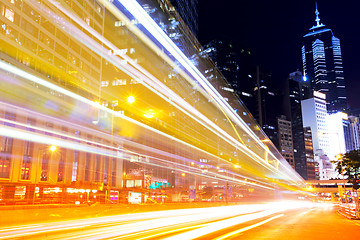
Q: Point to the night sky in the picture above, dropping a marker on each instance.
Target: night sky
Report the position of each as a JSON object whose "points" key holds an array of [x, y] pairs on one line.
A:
{"points": [[274, 31]]}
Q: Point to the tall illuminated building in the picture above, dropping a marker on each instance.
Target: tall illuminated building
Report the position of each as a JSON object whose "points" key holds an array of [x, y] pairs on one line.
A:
{"points": [[315, 116], [312, 167], [355, 132], [341, 140], [322, 65]]}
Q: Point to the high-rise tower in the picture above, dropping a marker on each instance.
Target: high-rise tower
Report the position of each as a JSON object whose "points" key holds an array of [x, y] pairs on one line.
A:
{"points": [[188, 12], [322, 65]]}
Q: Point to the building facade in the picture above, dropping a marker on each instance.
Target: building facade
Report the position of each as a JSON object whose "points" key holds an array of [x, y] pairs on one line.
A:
{"points": [[323, 66], [188, 10], [296, 90], [235, 65], [69, 131], [314, 115], [355, 132], [312, 169], [286, 140], [341, 139]]}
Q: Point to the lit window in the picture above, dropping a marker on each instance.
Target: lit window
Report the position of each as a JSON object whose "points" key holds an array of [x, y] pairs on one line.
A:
{"points": [[9, 14]]}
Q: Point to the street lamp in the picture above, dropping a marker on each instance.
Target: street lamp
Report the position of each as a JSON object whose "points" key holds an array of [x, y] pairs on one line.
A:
{"points": [[52, 148], [131, 99]]}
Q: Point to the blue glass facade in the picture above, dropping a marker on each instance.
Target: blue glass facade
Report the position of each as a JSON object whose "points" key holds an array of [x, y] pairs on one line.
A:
{"points": [[322, 65]]}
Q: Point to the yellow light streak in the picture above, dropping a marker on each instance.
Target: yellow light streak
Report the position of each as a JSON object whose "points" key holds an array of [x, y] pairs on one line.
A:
{"points": [[226, 236], [250, 153]]}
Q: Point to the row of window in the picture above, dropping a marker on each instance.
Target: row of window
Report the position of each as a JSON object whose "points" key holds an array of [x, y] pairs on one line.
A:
{"points": [[96, 168]]}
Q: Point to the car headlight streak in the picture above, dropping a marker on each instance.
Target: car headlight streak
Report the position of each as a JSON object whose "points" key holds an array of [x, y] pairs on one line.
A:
{"points": [[137, 72], [138, 12]]}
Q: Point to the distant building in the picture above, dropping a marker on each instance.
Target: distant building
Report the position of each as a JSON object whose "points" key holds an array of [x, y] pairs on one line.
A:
{"points": [[355, 132], [297, 89], [326, 168], [188, 10], [314, 115], [286, 139], [253, 85], [235, 65], [322, 65], [340, 137], [312, 167], [267, 104]]}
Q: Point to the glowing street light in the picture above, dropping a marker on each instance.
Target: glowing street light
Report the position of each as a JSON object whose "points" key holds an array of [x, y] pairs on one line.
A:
{"points": [[52, 148], [131, 99]]}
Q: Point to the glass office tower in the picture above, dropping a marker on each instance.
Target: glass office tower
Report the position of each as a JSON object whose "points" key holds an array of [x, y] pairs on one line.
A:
{"points": [[322, 65]]}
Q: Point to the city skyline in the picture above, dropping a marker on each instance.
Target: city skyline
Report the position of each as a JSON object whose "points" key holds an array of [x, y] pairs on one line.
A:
{"points": [[277, 41]]}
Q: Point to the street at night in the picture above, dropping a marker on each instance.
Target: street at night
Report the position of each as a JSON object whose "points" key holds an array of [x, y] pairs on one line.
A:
{"points": [[145, 119], [276, 220]]}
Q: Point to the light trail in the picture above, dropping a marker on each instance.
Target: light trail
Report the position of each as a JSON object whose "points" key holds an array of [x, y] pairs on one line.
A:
{"points": [[147, 77], [169, 232], [219, 225], [158, 34], [159, 87], [10, 68], [41, 139], [138, 12], [231, 234], [208, 220], [115, 150]]}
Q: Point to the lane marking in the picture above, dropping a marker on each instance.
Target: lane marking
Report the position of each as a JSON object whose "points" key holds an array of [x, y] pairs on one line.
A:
{"points": [[248, 227], [160, 234]]}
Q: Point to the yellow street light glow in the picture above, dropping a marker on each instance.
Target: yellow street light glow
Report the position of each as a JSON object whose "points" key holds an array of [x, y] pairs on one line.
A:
{"points": [[53, 148], [131, 99], [183, 174]]}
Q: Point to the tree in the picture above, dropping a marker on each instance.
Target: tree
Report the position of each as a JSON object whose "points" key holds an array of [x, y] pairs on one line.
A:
{"points": [[349, 164]]}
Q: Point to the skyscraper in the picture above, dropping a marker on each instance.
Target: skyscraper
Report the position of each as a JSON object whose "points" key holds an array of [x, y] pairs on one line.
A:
{"points": [[188, 11], [322, 65], [286, 139], [315, 116], [296, 90], [312, 166], [235, 65]]}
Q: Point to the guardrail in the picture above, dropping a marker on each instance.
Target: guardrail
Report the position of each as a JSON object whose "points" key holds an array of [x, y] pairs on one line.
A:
{"points": [[350, 209]]}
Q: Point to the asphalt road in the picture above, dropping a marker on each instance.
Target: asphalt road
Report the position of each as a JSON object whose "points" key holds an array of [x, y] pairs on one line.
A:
{"points": [[301, 224], [280, 220]]}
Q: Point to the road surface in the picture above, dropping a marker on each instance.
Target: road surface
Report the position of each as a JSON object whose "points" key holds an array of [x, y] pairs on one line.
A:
{"points": [[276, 220]]}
